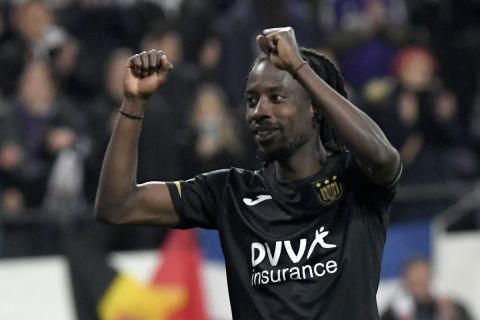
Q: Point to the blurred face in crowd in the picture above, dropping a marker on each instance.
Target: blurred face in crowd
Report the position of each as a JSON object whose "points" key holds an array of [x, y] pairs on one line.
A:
{"points": [[32, 19], [208, 107], [417, 280], [37, 89], [170, 43], [209, 120], [416, 71], [279, 111], [211, 53], [446, 106]]}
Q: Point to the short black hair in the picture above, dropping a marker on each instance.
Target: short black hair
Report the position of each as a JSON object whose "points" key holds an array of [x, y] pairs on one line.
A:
{"points": [[326, 70]]}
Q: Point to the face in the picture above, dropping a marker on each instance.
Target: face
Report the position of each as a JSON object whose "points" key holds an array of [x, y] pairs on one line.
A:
{"points": [[33, 20], [417, 280], [417, 72], [37, 89], [279, 112]]}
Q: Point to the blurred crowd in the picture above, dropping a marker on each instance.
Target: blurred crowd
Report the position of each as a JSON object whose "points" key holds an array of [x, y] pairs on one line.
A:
{"points": [[417, 298], [410, 64]]}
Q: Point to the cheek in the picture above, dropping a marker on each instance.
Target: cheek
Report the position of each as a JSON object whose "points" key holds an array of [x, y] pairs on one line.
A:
{"points": [[248, 115], [301, 122]]}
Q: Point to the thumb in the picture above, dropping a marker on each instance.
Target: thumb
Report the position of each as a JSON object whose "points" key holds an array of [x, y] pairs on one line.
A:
{"points": [[265, 44], [130, 70], [165, 68]]}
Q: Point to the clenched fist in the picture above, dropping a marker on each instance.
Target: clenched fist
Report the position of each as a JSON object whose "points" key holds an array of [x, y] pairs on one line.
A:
{"points": [[146, 72], [280, 45]]}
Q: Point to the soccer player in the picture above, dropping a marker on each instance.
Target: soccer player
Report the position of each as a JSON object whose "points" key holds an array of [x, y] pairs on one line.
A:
{"points": [[303, 237]]}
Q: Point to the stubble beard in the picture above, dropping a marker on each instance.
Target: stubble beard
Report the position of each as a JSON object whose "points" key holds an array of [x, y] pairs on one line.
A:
{"points": [[282, 153]]}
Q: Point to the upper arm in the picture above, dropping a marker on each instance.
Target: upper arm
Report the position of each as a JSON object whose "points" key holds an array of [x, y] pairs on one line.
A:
{"points": [[385, 171], [151, 203], [180, 204]]}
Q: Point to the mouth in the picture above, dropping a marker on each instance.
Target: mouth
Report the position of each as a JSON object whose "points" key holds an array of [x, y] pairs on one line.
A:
{"points": [[263, 134]]}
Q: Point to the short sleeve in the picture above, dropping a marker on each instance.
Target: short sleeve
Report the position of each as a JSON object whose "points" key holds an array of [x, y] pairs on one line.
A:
{"points": [[197, 200], [378, 197]]}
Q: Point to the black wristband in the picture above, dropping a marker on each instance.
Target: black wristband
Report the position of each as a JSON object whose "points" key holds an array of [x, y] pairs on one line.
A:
{"points": [[298, 68], [130, 116]]}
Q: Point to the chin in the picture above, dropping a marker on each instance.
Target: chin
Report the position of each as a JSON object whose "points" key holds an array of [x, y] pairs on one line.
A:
{"points": [[271, 155]]}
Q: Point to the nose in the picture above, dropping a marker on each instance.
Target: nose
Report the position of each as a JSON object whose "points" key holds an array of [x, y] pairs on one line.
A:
{"points": [[261, 111]]}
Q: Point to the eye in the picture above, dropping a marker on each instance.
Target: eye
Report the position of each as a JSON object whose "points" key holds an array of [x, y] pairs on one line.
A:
{"points": [[275, 98], [251, 101]]}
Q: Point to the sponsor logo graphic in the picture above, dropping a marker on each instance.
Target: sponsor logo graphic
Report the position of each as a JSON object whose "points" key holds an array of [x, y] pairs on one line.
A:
{"points": [[328, 190], [270, 255], [260, 198]]}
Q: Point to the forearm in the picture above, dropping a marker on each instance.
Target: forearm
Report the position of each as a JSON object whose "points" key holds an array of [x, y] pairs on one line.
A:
{"points": [[118, 174], [360, 133]]}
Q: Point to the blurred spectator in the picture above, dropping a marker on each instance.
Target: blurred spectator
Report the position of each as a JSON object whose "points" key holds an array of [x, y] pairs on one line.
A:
{"points": [[99, 27], [452, 30], [44, 126], [420, 118], [364, 34], [166, 37], [417, 301], [33, 35], [213, 142], [41, 162], [184, 78], [244, 20], [195, 24], [209, 60]]}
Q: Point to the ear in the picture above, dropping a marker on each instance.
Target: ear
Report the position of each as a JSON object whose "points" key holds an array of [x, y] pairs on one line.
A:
{"points": [[316, 114], [313, 109]]}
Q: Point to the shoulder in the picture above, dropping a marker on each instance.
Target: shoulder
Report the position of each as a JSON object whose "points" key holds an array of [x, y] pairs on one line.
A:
{"points": [[224, 176], [340, 161]]}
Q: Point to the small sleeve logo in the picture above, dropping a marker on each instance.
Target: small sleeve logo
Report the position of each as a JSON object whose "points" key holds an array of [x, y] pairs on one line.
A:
{"points": [[328, 190], [260, 198]]}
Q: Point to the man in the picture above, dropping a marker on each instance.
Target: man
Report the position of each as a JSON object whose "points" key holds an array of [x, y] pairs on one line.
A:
{"points": [[417, 301], [302, 238]]}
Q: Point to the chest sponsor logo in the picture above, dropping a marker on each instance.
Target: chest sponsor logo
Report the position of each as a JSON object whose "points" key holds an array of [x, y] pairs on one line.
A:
{"points": [[269, 255], [260, 198], [328, 190]]}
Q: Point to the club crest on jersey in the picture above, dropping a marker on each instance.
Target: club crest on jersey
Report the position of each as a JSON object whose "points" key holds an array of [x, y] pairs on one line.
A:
{"points": [[328, 190]]}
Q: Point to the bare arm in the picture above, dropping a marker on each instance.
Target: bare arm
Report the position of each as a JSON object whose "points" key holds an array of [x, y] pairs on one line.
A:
{"points": [[120, 200], [375, 155]]}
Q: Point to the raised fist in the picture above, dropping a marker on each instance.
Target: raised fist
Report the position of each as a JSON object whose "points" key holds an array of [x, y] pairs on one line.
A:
{"points": [[280, 45], [145, 73]]}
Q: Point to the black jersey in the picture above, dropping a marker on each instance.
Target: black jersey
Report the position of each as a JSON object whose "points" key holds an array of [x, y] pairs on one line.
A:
{"points": [[308, 249]]}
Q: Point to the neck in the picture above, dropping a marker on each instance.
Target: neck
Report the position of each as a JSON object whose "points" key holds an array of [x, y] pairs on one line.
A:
{"points": [[305, 162]]}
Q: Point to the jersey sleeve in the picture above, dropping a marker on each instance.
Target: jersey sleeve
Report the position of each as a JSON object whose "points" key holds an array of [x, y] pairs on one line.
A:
{"points": [[196, 201], [378, 197]]}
